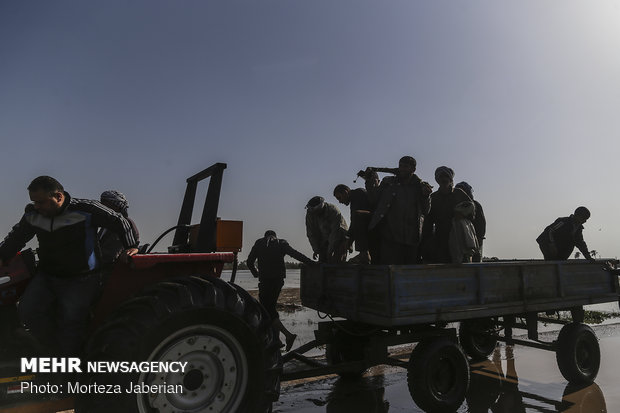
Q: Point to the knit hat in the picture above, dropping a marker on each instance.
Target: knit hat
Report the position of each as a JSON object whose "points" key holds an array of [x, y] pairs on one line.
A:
{"points": [[315, 202], [444, 171], [115, 200], [465, 187]]}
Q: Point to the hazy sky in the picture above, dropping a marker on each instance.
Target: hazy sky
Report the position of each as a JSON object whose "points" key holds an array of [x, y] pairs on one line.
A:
{"points": [[520, 98]]}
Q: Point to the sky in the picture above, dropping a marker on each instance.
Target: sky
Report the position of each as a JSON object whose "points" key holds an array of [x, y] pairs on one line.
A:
{"points": [[520, 98]]}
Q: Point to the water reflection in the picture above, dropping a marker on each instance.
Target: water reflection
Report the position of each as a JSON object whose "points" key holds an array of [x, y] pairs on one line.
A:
{"points": [[366, 394], [583, 399], [495, 388]]}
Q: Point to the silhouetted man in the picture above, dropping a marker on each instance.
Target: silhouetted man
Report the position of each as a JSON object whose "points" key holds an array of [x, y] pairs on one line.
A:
{"points": [[326, 230], [559, 239], [270, 252], [361, 210], [438, 222], [400, 203]]}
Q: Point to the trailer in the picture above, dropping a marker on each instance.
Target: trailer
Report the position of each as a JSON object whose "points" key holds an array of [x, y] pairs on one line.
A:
{"points": [[451, 312]]}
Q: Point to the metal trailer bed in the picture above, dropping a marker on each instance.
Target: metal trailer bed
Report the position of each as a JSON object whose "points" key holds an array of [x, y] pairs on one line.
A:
{"points": [[381, 306]]}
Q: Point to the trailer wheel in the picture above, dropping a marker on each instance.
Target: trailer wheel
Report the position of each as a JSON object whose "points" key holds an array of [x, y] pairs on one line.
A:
{"points": [[578, 354], [438, 375], [346, 348], [476, 338], [224, 335]]}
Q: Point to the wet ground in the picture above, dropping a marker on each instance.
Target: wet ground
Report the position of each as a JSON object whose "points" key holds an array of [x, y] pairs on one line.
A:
{"points": [[513, 379]]}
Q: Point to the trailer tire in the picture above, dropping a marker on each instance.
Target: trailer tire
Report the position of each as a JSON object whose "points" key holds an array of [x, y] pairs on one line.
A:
{"points": [[224, 335], [476, 339], [578, 353], [438, 375], [345, 348]]}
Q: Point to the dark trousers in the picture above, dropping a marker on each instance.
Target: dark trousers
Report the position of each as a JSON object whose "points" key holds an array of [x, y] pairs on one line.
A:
{"points": [[268, 293], [398, 254], [549, 253], [56, 310]]}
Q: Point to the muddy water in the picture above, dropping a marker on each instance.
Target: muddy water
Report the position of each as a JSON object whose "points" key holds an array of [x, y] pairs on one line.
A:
{"points": [[245, 279], [299, 320], [513, 379]]}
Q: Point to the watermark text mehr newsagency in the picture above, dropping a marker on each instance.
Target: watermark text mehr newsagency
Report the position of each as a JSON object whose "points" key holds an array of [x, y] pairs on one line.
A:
{"points": [[74, 365]]}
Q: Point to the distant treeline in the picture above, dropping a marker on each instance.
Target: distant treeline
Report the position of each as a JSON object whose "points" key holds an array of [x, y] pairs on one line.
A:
{"points": [[296, 265], [244, 266]]}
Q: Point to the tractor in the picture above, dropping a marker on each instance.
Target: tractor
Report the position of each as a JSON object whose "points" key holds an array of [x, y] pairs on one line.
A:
{"points": [[164, 307]]}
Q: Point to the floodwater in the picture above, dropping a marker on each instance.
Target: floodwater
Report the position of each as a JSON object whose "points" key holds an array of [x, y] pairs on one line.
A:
{"points": [[245, 279], [514, 378], [303, 321]]}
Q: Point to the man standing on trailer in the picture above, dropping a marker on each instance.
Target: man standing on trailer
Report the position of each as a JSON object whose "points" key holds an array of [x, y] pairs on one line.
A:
{"points": [[400, 202], [361, 211], [270, 252], [559, 239], [438, 222], [56, 304]]}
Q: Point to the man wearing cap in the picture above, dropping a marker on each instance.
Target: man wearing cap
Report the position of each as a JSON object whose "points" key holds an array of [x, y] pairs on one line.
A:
{"points": [[559, 239], [270, 252], [109, 242], [400, 203], [326, 230], [438, 222], [56, 304]]}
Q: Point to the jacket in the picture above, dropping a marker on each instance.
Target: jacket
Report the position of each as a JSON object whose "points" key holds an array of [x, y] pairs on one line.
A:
{"points": [[400, 207], [68, 244], [480, 222], [326, 229], [111, 245], [564, 235], [438, 223], [361, 213], [462, 240], [270, 252]]}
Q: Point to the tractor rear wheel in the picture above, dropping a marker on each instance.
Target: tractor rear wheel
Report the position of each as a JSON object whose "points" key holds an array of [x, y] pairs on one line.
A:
{"points": [[224, 335]]}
